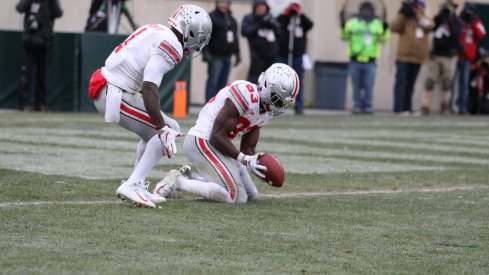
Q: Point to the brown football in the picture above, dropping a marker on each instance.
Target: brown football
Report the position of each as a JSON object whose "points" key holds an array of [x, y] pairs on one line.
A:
{"points": [[275, 174]]}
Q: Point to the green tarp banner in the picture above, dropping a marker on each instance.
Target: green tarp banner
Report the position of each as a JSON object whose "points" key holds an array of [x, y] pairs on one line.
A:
{"points": [[10, 68], [74, 57], [62, 74]]}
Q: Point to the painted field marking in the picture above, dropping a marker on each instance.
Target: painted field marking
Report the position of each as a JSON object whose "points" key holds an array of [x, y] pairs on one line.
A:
{"points": [[18, 204], [21, 204], [374, 192]]}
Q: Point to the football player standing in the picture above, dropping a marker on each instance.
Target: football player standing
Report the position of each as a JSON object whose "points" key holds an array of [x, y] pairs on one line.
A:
{"points": [[125, 90], [241, 108]]}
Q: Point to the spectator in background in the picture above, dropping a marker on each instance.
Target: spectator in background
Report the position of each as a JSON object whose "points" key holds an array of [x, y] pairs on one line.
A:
{"points": [[443, 56], [473, 31], [224, 43], [292, 49], [413, 28], [364, 34], [262, 30], [478, 99], [37, 41]]}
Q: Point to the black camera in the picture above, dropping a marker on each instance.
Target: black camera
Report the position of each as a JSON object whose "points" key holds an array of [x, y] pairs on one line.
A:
{"points": [[33, 25]]}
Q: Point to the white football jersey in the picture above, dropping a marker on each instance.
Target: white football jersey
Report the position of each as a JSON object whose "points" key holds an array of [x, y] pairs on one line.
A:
{"points": [[245, 97], [146, 55]]}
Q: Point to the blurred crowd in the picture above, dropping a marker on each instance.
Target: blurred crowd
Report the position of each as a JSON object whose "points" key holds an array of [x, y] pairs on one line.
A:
{"points": [[447, 44], [455, 66], [282, 39]]}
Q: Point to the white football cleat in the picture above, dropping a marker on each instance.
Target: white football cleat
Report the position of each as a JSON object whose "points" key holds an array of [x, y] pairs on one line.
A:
{"points": [[168, 185], [135, 192], [152, 197]]}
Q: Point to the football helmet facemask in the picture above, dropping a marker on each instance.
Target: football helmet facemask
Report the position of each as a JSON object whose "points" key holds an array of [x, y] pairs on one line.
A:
{"points": [[278, 87], [195, 25]]}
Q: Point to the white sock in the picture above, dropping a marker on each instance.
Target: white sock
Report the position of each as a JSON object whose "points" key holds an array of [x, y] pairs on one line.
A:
{"points": [[140, 152], [208, 190], [248, 183], [152, 154]]}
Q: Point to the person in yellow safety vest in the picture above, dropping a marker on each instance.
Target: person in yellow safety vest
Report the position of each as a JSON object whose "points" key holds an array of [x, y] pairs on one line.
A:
{"points": [[364, 34]]}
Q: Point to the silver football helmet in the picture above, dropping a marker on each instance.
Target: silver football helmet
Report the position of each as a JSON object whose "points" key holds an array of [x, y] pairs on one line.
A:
{"points": [[278, 87], [195, 25]]}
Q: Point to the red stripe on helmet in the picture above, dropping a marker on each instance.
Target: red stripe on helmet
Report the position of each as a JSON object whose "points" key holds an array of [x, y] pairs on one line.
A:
{"points": [[296, 85]]}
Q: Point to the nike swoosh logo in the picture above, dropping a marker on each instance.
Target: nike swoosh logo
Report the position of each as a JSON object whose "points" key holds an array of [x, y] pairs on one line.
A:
{"points": [[158, 190], [145, 200]]}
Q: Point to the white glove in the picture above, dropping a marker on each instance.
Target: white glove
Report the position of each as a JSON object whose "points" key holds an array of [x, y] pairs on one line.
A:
{"points": [[251, 162], [167, 136]]}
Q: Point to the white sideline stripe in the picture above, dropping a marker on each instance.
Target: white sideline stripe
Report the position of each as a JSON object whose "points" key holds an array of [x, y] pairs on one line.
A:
{"points": [[287, 195], [49, 203], [373, 192]]}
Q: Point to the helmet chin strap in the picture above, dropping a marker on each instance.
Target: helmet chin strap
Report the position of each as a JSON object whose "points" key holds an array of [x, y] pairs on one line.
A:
{"points": [[264, 108]]}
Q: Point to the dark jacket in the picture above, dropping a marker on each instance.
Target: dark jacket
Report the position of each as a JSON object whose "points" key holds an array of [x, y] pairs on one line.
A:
{"points": [[48, 11], [262, 33], [448, 28], [304, 24], [222, 23]]}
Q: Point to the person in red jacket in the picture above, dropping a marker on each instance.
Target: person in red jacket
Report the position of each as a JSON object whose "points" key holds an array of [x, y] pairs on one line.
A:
{"points": [[473, 31]]}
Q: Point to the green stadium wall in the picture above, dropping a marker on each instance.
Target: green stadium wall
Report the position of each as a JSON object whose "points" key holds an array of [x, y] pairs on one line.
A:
{"points": [[74, 57]]}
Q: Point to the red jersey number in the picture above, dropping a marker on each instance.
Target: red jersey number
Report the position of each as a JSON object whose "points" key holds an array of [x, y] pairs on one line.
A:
{"points": [[253, 96]]}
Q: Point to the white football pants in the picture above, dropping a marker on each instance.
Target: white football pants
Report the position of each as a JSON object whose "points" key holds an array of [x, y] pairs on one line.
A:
{"points": [[225, 179], [133, 117]]}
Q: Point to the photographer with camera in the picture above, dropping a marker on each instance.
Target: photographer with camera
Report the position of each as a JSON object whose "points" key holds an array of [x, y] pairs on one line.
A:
{"points": [[262, 30], [478, 98], [292, 43], [364, 34], [36, 46], [473, 31], [413, 28], [444, 53]]}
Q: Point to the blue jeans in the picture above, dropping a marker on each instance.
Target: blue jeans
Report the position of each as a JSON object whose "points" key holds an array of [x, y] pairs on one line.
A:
{"points": [[406, 74], [362, 79], [218, 73], [463, 74], [297, 66]]}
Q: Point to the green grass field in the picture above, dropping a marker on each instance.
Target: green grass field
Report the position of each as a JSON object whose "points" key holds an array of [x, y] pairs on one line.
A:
{"points": [[363, 194]]}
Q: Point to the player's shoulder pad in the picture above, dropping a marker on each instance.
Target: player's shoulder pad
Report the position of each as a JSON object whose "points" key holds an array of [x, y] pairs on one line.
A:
{"points": [[171, 49], [244, 95]]}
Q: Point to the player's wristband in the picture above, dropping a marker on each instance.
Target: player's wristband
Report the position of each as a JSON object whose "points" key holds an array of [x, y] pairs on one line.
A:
{"points": [[159, 130], [241, 157]]}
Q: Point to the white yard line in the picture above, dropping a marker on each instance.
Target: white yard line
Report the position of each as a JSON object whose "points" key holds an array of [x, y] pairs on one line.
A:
{"points": [[20, 204], [373, 192]]}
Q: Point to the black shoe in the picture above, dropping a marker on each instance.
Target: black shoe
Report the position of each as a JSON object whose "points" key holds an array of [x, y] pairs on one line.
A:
{"points": [[42, 108], [26, 108]]}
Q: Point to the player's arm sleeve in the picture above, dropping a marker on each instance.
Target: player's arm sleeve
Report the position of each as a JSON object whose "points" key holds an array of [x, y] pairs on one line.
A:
{"points": [[171, 51], [155, 69]]}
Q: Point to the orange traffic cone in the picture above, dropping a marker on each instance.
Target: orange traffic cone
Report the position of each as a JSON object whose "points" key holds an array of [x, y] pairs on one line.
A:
{"points": [[180, 99]]}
